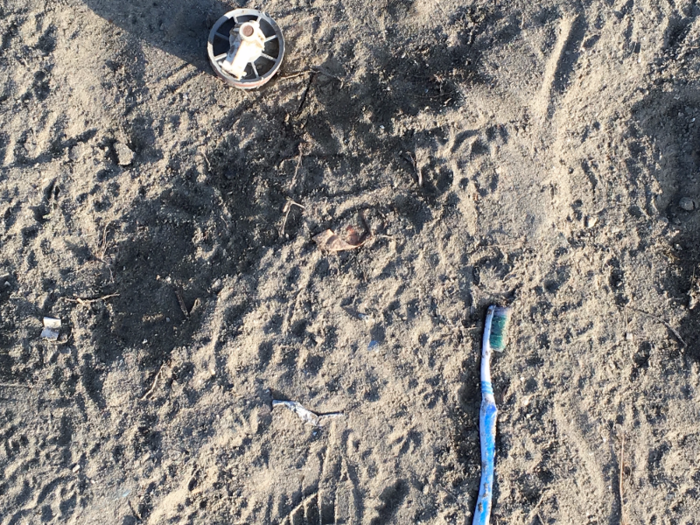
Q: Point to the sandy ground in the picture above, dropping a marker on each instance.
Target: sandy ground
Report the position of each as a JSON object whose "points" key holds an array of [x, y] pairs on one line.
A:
{"points": [[539, 154]]}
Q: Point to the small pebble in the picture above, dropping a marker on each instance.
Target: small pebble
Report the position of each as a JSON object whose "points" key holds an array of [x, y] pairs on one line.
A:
{"points": [[77, 152], [589, 222], [687, 204], [124, 155]]}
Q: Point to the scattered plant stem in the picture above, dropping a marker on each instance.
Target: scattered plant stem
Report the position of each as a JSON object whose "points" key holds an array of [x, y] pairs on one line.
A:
{"points": [[103, 244], [310, 70], [206, 159], [181, 302], [664, 322], [287, 208], [321, 71], [102, 251], [295, 74], [412, 159], [155, 383], [535, 512], [306, 91], [85, 301], [300, 157]]}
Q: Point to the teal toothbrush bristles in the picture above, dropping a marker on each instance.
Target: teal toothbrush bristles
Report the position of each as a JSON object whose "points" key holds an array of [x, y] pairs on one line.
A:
{"points": [[499, 328]]}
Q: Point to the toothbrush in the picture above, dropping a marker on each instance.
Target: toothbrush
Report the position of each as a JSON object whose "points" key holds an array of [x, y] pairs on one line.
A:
{"points": [[497, 319]]}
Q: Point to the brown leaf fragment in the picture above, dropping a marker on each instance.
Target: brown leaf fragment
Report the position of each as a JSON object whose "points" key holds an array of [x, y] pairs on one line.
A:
{"points": [[330, 242], [353, 237]]}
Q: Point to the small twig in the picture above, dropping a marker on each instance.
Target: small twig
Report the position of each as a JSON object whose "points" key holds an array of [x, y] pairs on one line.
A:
{"points": [[207, 161], [155, 383], [320, 70], [13, 385], [412, 160], [296, 74], [85, 301], [664, 322], [455, 496], [535, 512], [668, 253], [306, 91], [102, 251], [310, 70], [181, 302], [300, 157], [287, 208], [103, 245]]}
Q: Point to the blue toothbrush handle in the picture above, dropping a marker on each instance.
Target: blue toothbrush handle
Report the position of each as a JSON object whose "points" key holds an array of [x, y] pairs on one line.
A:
{"points": [[487, 433]]}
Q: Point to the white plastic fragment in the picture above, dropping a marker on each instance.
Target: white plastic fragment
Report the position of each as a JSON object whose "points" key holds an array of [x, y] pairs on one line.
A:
{"points": [[306, 415], [590, 221], [51, 329]]}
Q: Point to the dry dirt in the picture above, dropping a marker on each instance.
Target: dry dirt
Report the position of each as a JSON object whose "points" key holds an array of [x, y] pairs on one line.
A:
{"points": [[540, 154]]}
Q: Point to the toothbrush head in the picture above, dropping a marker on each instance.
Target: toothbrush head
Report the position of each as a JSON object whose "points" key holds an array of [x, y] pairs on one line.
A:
{"points": [[499, 328]]}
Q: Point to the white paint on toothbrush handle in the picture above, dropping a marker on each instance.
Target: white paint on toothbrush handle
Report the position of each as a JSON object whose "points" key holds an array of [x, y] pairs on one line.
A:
{"points": [[487, 429], [487, 433]]}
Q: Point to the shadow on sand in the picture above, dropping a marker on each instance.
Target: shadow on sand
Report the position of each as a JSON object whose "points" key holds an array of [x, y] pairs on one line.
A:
{"points": [[178, 27]]}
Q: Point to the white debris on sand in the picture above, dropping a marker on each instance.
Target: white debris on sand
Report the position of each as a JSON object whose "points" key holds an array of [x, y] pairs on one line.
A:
{"points": [[124, 154], [51, 329], [306, 415]]}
